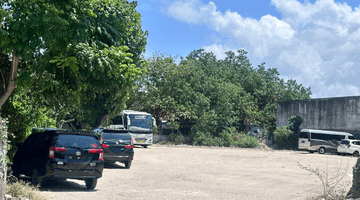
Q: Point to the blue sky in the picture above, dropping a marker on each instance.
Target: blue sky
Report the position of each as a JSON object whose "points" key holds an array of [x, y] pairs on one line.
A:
{"points": [[314, 42]]}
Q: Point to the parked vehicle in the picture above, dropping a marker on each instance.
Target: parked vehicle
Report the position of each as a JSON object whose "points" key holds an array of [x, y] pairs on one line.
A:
{"points": [[60, 154], [117, 145], [349, 147], [138, 124], [320, 140]]}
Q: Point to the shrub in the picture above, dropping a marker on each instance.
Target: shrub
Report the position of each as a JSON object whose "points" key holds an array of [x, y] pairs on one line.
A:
{"points": [[179, 138], [245, 141], [283, 137], [205, 139], [228, 137]]}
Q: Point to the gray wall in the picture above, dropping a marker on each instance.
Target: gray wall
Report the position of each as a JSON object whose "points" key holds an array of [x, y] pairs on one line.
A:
{"points": [[338, 114]]}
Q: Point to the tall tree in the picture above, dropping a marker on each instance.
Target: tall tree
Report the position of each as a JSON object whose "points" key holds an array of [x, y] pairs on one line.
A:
{"points": [[77, 56], [211, 95]]}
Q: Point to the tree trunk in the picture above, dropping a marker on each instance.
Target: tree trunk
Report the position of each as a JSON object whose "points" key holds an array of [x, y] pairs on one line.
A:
{"points": [[11, 85], [3, 152]]}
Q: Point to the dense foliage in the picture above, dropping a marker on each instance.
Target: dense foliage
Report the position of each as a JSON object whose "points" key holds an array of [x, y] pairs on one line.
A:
{"points": [[78, 60], [208, 96], [283, 137], [288, 136]]}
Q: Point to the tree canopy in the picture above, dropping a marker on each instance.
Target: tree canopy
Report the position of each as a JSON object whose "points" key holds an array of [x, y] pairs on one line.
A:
{"points": [[210, 95], [79, 58]]}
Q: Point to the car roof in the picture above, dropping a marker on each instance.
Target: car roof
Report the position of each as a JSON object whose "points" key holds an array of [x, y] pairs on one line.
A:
{"points": [[133, 112], [325, 131], [351, 140], [63, 131], [107, 130]]}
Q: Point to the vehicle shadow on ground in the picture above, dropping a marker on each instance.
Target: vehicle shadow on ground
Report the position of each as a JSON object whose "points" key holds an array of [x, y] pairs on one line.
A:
{"points": [[65, 185], [117, 165]]}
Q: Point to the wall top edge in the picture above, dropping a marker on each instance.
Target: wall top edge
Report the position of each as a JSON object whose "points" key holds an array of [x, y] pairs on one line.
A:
{"points": [[327, 98]]}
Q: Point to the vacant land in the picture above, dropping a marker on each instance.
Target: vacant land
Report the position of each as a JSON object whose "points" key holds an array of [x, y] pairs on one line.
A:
{"points": [[183, 172]]}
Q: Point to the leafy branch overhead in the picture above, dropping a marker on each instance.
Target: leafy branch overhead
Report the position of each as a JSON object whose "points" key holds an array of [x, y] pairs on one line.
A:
{"points": [[79, 56]]}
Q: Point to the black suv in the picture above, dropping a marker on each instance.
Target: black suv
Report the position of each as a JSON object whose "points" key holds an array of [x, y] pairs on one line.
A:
{"points": [[118, 145], [60, 154]]}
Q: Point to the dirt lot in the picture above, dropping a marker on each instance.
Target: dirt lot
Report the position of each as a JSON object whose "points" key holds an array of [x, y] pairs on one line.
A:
{"points": [[165, 172]]}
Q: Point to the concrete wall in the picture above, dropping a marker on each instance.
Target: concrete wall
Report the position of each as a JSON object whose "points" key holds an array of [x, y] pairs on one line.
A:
{"points": [[338, 114]]}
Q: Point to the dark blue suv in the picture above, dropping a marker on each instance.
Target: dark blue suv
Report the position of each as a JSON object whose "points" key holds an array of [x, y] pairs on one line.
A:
{"points": [[60, 154], [117, 144]]}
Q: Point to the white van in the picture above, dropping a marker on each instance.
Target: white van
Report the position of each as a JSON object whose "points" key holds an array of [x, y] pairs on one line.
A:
{"points": [[321, 140]]}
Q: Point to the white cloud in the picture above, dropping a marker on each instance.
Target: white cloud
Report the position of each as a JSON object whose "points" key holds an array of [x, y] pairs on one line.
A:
{"points": [[316, 44], [337, 90], [218, 50]]}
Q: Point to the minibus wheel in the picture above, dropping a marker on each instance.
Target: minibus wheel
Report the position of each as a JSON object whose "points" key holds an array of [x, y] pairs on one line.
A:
{"points": [[321, 150]]}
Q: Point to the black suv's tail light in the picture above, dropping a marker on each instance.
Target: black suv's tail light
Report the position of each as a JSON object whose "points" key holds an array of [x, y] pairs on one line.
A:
{"points": [[102, 144], [52, 150], [129, 146], [99, 151]]}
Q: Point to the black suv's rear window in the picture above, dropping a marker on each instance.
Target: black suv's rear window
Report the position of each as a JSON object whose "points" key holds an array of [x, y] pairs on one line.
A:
{"points": [[116, 136], [82, 141]]}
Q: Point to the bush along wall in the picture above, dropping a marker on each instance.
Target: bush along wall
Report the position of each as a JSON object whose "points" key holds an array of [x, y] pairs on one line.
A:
{"points": [[287, 137]]}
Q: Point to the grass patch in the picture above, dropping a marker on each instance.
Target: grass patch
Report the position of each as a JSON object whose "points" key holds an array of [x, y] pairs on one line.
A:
{"points": [[22, 189]]}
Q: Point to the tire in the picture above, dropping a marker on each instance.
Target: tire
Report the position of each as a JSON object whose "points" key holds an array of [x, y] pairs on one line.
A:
{"points": [[145, 146], [35, 179], [321, 150], [356, 154], [128, 164], [311, 151], [91, 183], [15, 171]]}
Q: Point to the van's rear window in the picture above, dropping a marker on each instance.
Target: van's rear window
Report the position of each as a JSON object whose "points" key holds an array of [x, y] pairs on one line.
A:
{"points": [[82, 141]]}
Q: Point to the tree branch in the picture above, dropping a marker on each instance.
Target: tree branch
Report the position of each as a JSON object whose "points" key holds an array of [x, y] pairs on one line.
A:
{"points": [[11, 86]]}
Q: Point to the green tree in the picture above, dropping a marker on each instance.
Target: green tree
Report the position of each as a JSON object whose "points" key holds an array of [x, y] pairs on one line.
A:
{"points": [[209, 96], [78, 56]]}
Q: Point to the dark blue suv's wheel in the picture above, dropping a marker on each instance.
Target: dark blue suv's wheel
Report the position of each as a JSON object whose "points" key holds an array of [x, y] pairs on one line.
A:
{"points": [[91, 183], [35, 179], [128, 164]]}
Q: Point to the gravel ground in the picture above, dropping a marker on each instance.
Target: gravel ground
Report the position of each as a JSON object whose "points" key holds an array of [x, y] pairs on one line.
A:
{"points": [[187, 172]]}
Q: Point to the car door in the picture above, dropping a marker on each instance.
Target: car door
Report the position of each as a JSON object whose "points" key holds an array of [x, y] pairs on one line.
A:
{"points": [[343, 147]]}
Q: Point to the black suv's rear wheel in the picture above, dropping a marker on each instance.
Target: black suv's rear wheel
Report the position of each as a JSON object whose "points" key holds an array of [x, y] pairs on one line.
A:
{"points": [[35, 179], [128, 164], [91, 183]]}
